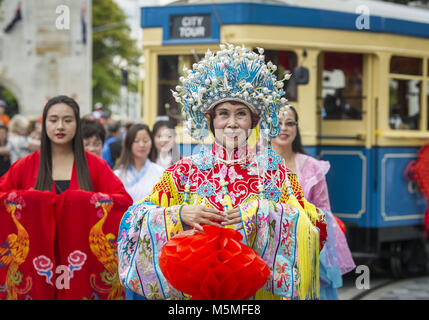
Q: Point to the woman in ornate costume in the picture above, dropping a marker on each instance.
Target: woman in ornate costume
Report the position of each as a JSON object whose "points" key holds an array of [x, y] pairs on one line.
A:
{"points": [[60, 211], [335, 258], [238, 183]]}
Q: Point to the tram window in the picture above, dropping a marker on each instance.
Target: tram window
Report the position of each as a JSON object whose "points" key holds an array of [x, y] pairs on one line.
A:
{"points": [[285, 61], [406, 65], [170, 68], [404, 104], [341, 85], [427, 103]]}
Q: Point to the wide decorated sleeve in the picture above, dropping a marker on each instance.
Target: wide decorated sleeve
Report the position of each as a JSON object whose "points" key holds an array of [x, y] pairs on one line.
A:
{"points": [[296, 198], [286, 239], [104, 180], [22, 174], [86, 236], [27, 254], [144, 229]]}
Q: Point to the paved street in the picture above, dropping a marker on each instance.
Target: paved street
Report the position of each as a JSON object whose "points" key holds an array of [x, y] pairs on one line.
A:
{"points": [[406, 289]]}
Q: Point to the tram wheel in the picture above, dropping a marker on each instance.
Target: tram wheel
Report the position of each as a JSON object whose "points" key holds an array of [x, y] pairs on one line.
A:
{"points": [[395, 259], [409, 258], [418, 264]]}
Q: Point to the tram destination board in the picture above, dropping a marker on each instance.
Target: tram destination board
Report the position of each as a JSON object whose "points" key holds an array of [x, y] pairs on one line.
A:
{"points": [[190, 26]]}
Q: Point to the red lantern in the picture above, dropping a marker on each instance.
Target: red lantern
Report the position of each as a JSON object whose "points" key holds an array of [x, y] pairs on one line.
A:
{"points": [[213, 265]]}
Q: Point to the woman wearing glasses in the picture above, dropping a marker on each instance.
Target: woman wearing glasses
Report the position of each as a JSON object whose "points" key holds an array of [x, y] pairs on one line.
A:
{"points": [[335, 258], [236, 182]]}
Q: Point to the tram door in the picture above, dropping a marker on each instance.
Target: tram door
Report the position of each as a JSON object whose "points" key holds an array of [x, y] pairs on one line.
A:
{"points": [[344, 83], [359, 134], [170, 69]]}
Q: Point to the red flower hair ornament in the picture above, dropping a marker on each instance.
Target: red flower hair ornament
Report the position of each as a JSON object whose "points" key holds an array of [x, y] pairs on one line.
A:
{"points": [[213, 265]]}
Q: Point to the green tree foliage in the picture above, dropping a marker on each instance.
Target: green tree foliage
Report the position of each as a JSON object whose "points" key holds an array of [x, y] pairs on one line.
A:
{"points": [[110, 40], [12, 103]]}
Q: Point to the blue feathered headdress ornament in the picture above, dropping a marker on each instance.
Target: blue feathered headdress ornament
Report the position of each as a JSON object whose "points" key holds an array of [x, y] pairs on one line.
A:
{"points": [[233, 73]]}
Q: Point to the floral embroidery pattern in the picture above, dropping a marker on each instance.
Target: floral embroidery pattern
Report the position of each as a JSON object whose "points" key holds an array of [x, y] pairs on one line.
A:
{"points": [[43, 266], [268, 228], [287, 228], [282, 276], [160, 240], [206, 190], [76, 260], [250, 225], [272, 192], [271, 159], [232, 174], [263, 230], [145, 253], [14, 251], [204, 160]]}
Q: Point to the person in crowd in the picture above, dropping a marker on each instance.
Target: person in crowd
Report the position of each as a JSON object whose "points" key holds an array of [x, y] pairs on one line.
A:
{"points": [[98, 110], [113, 131], [335, 258], [20, 144], [135, 169], [93, 135], [4, 150], [4, 118], [127, 123], [166, 151], [90, 116], [36, 129], [234, 96], [116, 146], [66, 204]]}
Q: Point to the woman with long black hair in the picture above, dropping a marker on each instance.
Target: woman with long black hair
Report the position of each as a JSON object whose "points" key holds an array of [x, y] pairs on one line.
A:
{"points": [[135, 169], [69, 203]]}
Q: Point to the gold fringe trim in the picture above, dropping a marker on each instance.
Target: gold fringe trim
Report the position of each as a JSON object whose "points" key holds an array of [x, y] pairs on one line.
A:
{"points": [[307, 251], [265, 295]]}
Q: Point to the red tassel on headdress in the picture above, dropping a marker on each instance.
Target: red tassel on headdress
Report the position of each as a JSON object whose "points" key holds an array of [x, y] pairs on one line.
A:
{"points": [[213, 265]]}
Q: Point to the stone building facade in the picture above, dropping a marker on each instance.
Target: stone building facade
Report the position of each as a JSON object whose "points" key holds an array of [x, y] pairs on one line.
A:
{"points": [[46, 52]]}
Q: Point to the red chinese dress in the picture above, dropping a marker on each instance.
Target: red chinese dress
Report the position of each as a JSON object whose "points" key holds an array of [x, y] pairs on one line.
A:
{"points": [[60, 246], [277, 221]]}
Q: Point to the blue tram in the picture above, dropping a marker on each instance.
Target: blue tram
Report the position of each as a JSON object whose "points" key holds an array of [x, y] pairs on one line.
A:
{"points": [[360, 85]]}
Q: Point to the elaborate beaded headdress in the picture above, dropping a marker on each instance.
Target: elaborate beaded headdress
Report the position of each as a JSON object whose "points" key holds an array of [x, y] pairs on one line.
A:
{"points": [[233, 73]]}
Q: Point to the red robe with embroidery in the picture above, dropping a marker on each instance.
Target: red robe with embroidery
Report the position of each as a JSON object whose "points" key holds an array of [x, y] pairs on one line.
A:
{"points": [[272, 223], [60, 246]]}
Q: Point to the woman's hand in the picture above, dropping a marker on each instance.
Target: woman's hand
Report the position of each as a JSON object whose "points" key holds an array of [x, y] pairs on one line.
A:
{"points": [[233, 217], [197, 215]]}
